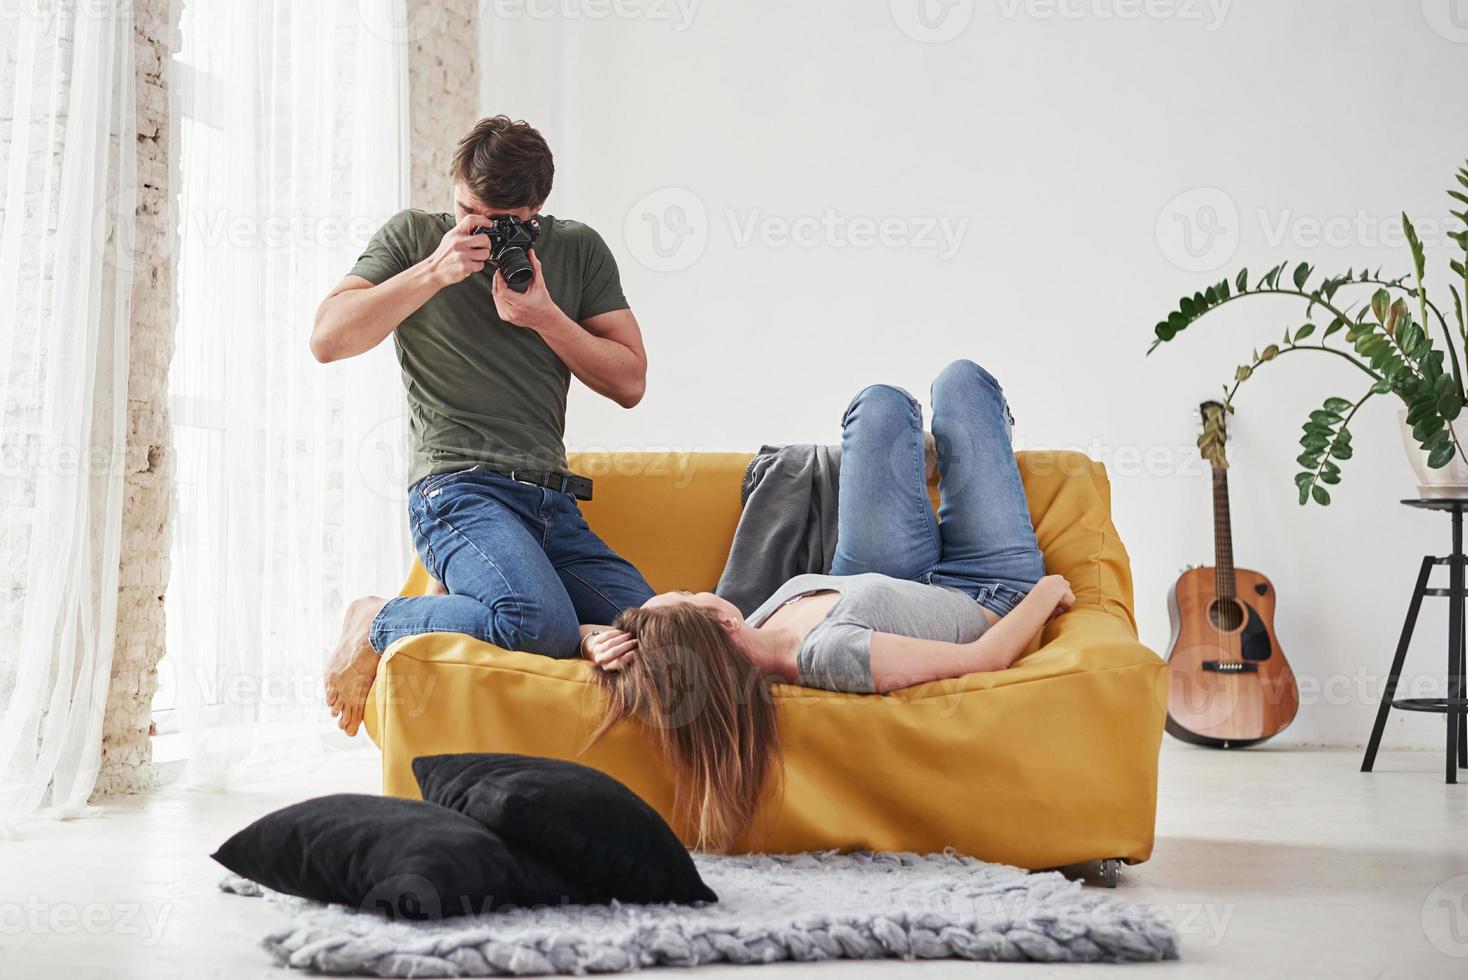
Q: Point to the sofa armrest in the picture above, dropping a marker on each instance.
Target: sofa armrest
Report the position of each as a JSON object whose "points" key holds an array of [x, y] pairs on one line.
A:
{"points": [[1092, 628]]}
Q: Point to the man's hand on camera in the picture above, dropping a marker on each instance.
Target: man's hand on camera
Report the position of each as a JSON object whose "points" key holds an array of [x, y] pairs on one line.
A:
{"points": [[533, 308], [461, 253]]}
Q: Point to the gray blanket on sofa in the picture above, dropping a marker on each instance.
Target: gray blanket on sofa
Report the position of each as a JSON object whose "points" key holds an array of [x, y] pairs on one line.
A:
{"points": [[788, 525]]}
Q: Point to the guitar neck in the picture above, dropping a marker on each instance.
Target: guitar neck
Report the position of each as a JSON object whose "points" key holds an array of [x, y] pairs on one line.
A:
{"points": [[1223, 544]]}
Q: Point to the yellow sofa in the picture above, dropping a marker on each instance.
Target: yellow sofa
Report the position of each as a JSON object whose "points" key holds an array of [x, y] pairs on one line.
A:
{"points": [[1052, 762]]}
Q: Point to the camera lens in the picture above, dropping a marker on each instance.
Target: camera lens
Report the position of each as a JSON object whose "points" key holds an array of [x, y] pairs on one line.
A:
{"points": [[515, 266]]}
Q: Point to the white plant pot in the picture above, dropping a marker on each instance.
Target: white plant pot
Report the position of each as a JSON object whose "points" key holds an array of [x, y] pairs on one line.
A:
{"points": [[1451, 480]]}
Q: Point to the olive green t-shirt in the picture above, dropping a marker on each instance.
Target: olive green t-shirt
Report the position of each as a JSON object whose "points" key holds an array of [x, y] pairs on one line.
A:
{"points": [[481, 390]]}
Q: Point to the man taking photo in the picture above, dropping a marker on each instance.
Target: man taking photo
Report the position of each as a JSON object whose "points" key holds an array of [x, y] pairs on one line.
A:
{"points": [[492, 505]]}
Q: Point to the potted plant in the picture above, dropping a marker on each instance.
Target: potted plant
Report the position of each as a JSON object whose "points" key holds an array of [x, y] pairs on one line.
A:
{"points": [[1391, 336]]}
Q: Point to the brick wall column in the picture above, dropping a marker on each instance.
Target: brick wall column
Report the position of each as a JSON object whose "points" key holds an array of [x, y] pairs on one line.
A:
{"points": [[127, 757], [443, 94]]}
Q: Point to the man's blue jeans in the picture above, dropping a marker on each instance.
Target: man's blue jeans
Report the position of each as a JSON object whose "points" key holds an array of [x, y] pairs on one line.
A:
{"points": [[981, 541], [522, 567]]}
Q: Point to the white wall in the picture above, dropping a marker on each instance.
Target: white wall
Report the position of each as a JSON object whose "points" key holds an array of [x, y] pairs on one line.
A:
{"points": [[1057, 136]]}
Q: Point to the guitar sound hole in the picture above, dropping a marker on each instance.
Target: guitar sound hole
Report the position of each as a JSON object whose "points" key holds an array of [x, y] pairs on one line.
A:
{"points": [[1226, 614]]}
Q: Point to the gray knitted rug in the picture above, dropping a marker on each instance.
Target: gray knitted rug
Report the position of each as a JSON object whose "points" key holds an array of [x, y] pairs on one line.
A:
{"points": [[804, 907]]}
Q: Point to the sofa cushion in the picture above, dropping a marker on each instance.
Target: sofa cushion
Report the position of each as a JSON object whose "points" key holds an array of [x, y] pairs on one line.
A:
{"points": [[581, 821], [403, 858]]}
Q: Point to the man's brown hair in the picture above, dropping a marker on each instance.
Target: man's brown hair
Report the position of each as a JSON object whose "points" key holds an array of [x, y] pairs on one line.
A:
{"points": [[505, 162]]}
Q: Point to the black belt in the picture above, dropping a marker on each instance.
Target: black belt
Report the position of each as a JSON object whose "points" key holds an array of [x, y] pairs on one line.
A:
{"points": [[577, 486]]}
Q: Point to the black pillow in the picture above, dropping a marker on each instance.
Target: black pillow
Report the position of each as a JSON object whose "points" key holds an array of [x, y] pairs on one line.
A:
{"points": [[402, 858], [583, 822]]}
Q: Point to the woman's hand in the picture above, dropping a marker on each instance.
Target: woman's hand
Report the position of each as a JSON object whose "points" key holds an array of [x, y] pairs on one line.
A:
{"points": [[609, 649], [1057, 593]]}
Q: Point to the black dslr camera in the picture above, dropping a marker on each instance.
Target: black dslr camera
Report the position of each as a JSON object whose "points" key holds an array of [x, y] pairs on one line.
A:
{"points": [[510, 241]]}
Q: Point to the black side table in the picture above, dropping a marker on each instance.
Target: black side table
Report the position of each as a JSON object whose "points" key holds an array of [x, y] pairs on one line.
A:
{"points": [[1455, 705]]}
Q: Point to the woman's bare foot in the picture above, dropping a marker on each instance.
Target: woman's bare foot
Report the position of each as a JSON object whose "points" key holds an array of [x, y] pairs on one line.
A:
{"points": [[930, 456], [353, 664]]}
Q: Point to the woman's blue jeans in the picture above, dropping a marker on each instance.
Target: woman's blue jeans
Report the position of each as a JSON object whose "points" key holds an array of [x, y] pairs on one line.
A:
{"points": [[981, 542]]}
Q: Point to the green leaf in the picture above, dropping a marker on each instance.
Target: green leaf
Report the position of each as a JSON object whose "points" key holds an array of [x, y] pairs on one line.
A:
{"points": [[1419, 259], [1427, 428], [1242, 282], [1441, 456], [1412, 339], [1336, 405], [1382, 387], [1302, 275], [1419, 410], [1381, 304], [1304, 331], [1321, 496]]}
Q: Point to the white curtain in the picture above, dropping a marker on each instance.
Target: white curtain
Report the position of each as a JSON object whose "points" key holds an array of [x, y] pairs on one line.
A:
{"points": [[292, 123], [67, 181]]}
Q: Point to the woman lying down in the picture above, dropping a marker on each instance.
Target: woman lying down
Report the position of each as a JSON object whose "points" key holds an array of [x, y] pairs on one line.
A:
{"points": [[911, 598]]}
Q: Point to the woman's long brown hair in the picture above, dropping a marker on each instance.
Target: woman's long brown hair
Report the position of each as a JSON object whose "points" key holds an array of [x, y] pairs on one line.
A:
{"points": [[708, 706]]}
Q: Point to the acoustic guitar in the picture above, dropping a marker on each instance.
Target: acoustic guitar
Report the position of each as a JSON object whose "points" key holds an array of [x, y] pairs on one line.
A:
{"points": [[1229, 683]]}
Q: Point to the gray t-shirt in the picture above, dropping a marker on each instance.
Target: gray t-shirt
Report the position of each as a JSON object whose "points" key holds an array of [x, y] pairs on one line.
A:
{"points": [[837, 653]]}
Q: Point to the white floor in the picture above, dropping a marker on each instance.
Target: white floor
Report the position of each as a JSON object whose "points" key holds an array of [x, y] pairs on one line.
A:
{"points": [[1284, 863]]}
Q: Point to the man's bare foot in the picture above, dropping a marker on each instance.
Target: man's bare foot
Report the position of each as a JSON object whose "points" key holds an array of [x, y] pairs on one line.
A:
{"points": [[353, 664], [930, 456]]}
